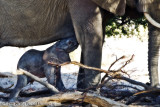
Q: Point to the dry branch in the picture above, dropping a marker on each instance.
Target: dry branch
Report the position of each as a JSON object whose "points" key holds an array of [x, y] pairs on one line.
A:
{"points": [[132, 81], [120, 69], [109, 69], [79, 64], [49, 86], [126, 63], [155, 91]]}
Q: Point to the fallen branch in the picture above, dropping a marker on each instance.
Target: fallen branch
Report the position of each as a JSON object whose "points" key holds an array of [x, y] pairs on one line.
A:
{"points": [[132, 81], [126, 86], [153, 93], [149, 91], [49, 86], [72, 98]]}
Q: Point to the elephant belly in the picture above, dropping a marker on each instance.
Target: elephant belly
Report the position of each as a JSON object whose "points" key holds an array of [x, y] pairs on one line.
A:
{"points": [[34, 22]]}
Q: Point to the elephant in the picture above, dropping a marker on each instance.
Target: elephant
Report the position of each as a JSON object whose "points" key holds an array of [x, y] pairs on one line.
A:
{"points": [[36, 22], [36, 62]]}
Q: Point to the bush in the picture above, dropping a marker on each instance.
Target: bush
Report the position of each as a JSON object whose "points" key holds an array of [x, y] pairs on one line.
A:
{"points": [[125, 26]]}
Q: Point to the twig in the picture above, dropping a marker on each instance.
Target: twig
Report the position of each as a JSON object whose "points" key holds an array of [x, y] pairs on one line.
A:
{"points": [[109, 69], [49, 86], [120, 69], [127, 62], [115, 62]]}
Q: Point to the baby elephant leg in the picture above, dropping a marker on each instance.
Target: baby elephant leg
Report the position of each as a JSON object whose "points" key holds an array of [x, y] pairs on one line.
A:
{"points": [[59, 82], [52, 77], [22, 81]]}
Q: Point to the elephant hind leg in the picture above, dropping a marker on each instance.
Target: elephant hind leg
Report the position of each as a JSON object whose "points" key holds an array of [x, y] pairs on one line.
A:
{"points": [[22, 81]]}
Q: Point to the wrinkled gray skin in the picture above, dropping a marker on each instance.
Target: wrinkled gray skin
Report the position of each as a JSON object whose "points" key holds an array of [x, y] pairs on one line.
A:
{"points": [[34, 22], [36, 62]]}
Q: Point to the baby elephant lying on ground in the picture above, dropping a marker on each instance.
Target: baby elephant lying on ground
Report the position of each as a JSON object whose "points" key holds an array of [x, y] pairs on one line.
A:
{"points": [[36, 62]]}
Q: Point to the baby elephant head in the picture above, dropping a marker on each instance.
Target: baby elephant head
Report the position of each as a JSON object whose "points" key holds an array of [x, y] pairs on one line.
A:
{"points": [[59, 52], [68, 44]]}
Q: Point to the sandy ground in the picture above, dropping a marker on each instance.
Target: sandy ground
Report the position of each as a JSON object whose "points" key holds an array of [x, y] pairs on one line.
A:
{"points": [[113, 48]]}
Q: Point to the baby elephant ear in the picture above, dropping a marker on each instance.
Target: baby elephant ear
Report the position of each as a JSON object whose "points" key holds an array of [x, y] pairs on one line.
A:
{"points": [[114, 6]]}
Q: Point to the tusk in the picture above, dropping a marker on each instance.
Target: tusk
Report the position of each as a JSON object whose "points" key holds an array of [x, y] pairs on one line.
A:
{"points": [[152, 21]]}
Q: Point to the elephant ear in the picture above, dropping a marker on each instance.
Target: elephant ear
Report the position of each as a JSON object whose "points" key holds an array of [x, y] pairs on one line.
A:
{"points": [[114, 6]]}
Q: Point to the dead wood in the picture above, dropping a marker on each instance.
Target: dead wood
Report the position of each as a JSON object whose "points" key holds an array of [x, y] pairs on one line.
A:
{"points": [[132, 81], [73, 97], [152, 91], [49, 86]]}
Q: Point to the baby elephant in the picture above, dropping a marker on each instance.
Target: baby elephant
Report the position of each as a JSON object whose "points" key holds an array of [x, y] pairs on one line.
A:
{"points": [[36, 62]]}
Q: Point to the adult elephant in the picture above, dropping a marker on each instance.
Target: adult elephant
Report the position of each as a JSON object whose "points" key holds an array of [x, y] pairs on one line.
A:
{"points": [[35, 22]]}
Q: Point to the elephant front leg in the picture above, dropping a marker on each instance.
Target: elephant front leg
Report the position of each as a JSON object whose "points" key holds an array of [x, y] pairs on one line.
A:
{"points": [[87, 21], [53, 75], [153, 54]]}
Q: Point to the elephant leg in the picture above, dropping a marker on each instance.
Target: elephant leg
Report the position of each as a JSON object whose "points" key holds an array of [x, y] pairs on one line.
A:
{"points": [[53, 76], [59, 82], [22, 81], [153, 54], [81, 75], [87, 22]]}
